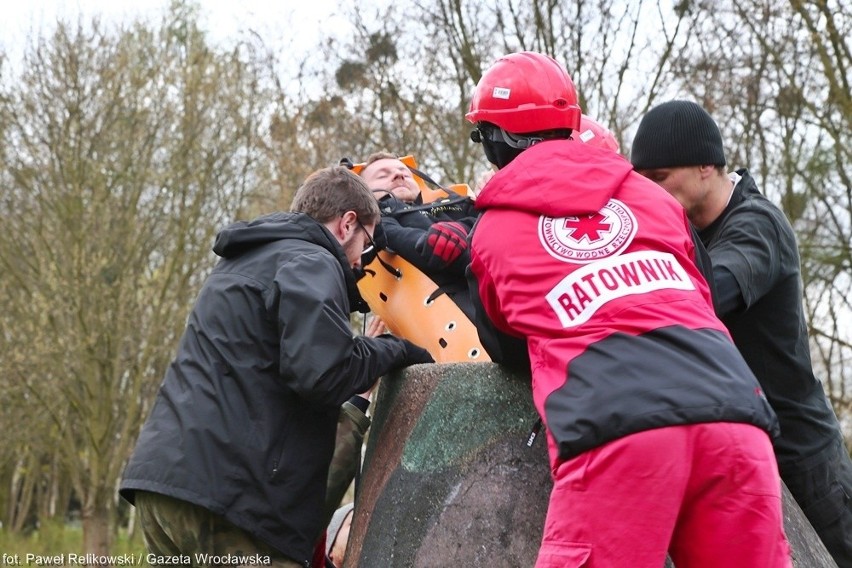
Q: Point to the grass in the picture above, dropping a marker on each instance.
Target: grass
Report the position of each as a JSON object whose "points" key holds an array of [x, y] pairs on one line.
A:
{"points": [[53, 538]]}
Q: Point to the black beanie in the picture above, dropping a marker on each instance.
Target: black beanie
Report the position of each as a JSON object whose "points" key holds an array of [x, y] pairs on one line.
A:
{"points": [[677, 133]]}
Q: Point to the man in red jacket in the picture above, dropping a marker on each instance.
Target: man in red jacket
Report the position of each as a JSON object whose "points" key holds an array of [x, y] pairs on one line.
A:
{"points": [[657, 429]]}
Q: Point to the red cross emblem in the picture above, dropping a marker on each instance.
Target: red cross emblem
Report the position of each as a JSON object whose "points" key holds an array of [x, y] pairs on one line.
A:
{"points": [[588, 226]]}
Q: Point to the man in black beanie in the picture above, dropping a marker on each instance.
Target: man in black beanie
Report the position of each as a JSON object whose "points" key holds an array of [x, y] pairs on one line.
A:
{"points": [[758, 280]]}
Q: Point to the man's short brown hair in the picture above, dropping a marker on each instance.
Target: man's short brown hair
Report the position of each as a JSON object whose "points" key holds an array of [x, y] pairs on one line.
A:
{"points": [[376, 156], [330, 192]]}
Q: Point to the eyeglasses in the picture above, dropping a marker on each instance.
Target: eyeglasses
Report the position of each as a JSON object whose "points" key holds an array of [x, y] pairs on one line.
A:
{"points": [[371, 245]]}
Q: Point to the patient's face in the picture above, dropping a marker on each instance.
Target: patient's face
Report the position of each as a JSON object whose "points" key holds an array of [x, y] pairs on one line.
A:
{"points": [[391, 176]]}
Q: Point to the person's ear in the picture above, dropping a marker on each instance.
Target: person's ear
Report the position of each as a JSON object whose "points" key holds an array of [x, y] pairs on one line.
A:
{"points": [[707, 171], [350, 222], [346, 225]]}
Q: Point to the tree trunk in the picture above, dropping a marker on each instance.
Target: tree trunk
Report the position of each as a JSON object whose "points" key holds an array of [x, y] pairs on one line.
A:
{"points": [[23, 488], [97, 529]]}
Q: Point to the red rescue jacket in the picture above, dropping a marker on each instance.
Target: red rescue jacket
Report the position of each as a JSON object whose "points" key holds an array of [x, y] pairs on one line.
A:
{"points": [[594, 266]]}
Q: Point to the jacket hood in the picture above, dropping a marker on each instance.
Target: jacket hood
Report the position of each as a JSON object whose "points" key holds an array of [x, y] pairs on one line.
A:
{"points": [[241, 236], [557, 178]]}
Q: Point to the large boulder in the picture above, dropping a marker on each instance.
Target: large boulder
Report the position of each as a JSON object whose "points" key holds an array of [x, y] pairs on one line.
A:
{"points": [[449, 479]]}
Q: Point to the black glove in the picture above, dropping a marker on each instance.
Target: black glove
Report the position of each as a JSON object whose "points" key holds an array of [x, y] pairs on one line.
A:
{"points": [[445, 241], [415, 354]]}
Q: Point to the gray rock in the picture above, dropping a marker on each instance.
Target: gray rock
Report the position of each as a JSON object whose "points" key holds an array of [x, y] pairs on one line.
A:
{"points": [[450, 481]]}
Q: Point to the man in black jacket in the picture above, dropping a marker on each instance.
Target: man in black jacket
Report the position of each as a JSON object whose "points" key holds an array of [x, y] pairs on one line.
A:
{"points": [[231, 466], [758, 281]]}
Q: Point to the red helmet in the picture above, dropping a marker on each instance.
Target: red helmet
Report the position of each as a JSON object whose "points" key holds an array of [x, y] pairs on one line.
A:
{"points": [[595, 134], [526, 92]]}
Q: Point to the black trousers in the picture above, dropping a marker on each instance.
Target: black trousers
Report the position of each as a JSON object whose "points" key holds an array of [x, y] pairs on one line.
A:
{"points": [[822, 486]]}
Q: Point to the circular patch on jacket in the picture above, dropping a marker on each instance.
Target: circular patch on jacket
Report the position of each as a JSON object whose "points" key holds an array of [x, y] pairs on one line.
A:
{"points": [[587, 238]]}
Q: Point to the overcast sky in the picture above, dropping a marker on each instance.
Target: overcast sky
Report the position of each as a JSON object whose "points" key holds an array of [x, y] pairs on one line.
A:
{"points": [[222, 18]]}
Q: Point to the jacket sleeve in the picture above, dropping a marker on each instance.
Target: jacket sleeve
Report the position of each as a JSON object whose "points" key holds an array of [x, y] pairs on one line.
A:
{"points": [[403, 241], [750, 248], [320, 358]]}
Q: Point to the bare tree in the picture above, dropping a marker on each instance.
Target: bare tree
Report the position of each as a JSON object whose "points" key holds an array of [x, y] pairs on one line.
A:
{"points": [[775, 75], [405, 81], [122, 153]]}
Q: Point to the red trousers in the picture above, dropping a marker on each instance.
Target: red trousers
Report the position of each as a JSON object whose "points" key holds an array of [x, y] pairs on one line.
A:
{"points": [[708, 494]]}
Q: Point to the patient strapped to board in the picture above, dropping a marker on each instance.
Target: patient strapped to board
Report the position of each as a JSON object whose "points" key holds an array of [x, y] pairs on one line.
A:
{"points": [[412, 304]]}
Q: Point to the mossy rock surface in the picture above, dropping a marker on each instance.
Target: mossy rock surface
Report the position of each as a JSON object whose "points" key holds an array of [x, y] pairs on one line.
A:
{"points": [[449, 479]]}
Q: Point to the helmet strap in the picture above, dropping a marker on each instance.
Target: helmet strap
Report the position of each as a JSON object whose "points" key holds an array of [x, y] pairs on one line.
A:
{"points": [[519, 141], [499, 153], [501, 147]]}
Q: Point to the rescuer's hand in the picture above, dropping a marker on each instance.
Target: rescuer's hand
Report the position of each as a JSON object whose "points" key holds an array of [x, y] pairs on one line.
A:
{"points": [[415, 354]]}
